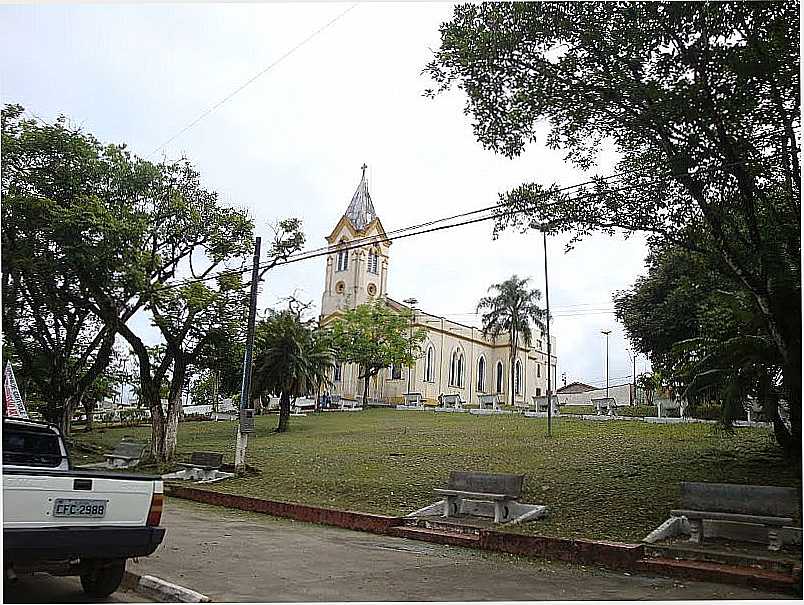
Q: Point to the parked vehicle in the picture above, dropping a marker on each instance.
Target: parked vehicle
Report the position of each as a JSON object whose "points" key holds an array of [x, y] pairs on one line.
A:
{"points": [[72, 522]]}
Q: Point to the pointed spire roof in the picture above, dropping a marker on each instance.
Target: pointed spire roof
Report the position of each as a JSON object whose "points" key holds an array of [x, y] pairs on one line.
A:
{"points": [[361, 211]]}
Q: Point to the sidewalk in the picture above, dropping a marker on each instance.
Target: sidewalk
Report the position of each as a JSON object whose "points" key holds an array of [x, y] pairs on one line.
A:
{"points": [[235, 556]]}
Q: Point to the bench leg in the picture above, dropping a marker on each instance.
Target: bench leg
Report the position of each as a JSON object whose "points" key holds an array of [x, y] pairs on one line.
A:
{"points": [[448, 500], [696, 530], [499, 513], [774, 539]]}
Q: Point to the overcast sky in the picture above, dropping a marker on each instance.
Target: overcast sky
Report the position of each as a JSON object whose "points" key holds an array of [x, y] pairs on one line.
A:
{"points": [[292, 142]]}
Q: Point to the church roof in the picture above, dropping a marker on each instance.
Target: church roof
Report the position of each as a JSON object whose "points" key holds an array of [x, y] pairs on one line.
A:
{"points": [[361, 210]]}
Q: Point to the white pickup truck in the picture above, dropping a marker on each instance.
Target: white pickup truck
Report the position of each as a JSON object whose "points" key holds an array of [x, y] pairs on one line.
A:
{"points": [[72, 522]]}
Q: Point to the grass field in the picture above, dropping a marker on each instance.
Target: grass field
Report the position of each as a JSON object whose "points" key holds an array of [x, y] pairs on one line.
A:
{"points": [[606, 480]]}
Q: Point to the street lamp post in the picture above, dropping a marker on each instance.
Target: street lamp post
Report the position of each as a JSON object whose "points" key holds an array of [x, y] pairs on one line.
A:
{"points": [[411, 302], [549, 350], [607, 332]]}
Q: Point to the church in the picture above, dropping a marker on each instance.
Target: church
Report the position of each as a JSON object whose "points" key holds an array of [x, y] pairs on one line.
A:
{"points": [[455, 358]]}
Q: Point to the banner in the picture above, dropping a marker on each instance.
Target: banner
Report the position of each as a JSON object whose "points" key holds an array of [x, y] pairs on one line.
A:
{"points": [[12, 401]]}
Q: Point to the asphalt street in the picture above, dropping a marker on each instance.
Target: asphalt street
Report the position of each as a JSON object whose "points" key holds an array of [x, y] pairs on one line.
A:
{"points": [[235, 556]]}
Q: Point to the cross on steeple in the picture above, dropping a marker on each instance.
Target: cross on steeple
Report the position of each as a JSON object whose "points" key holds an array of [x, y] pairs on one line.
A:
{"points": [[363, 168]]}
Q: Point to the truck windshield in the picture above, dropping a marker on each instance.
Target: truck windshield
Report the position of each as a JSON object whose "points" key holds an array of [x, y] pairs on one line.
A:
{"points": [[30, 447]]}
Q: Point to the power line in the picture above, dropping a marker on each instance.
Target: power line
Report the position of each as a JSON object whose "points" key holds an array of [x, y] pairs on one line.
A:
{"points": [[253, 79], [419, 229]]}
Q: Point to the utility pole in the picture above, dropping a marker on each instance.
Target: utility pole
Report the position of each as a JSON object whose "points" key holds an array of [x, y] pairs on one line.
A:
{"points": [[549, 349], [411, 302], [246, 424], [607, 332]]}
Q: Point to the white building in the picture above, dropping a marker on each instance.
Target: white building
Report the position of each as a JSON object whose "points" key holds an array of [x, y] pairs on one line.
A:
{"points": [[456, 358]]}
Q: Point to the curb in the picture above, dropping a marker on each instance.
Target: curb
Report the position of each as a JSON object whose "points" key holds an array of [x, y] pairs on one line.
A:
{"points": [[603, 553], [164, 591]]}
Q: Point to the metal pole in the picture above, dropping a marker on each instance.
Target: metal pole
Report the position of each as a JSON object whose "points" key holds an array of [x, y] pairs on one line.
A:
{"points": [[549, 349], [246, 424]]}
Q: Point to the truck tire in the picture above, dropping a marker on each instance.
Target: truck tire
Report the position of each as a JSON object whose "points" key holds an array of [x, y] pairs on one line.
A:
{"points": [[102, 577]]}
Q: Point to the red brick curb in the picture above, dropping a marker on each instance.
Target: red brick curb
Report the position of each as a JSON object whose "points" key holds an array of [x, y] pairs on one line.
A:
{"points": [[611, 555], [378, 524]]}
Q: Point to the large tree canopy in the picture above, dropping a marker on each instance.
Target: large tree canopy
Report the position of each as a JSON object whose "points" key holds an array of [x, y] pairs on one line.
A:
{"points": [[699, 100]]}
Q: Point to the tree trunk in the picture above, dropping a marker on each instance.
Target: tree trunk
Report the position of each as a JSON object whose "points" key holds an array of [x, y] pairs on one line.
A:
{"points": [[89, 411], [65, 423], [284, 412], [149, 394], [171, 430], [365, 390]]}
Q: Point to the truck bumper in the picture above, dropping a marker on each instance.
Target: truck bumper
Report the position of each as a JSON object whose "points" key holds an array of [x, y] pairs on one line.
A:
{"points": [[55, 544]]}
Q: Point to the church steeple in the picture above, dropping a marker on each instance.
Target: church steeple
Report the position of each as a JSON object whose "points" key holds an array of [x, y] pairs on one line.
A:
{"points": [[361, 210]]}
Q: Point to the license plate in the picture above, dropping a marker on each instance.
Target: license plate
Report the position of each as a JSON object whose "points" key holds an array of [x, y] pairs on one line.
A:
{"points": [[69, 507]]}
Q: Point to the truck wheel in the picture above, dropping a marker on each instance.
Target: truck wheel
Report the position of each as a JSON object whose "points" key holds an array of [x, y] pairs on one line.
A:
{"points": [[101, 578]]}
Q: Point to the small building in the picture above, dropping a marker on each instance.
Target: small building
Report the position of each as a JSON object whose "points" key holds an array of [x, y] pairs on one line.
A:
{"points": [[579, 393]]}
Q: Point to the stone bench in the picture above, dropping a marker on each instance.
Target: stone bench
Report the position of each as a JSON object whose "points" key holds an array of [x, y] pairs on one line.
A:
{"points": [[665, 405], [609, 404], [540, 403], [127, 454], [496, 488], [302, 406], [773, 507], [451, 399], [489, 402], [413, 398], [202, 465]]}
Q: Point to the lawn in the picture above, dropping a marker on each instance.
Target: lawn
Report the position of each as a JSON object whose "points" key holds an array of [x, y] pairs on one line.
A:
{"points": [[606, 480]]}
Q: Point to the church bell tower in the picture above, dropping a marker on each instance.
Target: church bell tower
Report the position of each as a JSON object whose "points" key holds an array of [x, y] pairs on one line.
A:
{"points": [[357, 263]]}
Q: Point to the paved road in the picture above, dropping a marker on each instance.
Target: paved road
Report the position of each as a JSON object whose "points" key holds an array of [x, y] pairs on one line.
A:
{"points": [[43, 588], [234, 556]]}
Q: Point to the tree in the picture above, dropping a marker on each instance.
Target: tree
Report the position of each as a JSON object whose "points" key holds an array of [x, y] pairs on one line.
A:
{"points": [[292, 359], [704, 333], [700, 101], [649, 382], [50, 175], [373, 336], [510, 311]]}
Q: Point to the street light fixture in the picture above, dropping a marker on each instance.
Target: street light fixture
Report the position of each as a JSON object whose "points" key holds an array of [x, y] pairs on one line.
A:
{"points": [[607, 332]]}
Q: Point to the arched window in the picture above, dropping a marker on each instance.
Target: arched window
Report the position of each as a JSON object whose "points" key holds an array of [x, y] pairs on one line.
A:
{"points": [[456, 369], [518, 377], [428, 365], [343, 258], [538, 370], [481, 374], [373, 263], [396, 371], [499, 377], [337, 371]]}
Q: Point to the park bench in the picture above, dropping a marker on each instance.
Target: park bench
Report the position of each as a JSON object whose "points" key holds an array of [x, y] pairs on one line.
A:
{"points": [[451, 399], [413, 398], [665, 405], [303, 405], [202, 465], [773, 507], [540, 403], [489, 402], [127, 454], [496, 488], [609, 404]]}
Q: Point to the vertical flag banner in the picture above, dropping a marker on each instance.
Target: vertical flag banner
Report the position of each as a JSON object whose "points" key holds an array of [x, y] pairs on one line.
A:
{"points": [[12, 401]]}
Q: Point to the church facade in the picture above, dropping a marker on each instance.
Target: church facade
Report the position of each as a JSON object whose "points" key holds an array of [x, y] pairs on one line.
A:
{"points": [[455, 358]]}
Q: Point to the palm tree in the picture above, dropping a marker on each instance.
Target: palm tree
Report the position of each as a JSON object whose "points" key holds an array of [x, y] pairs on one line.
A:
{"points": [[292, 359], [510, 311]]}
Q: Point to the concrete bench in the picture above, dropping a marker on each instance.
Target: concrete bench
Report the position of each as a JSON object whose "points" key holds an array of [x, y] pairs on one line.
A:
{"points": [[301, 406], [496, 488], [489, 402], [773, 507], [451, 399], [127, 454], [607, 404], [413, 398], [202, 465], [665, 405], [540, 403]]}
